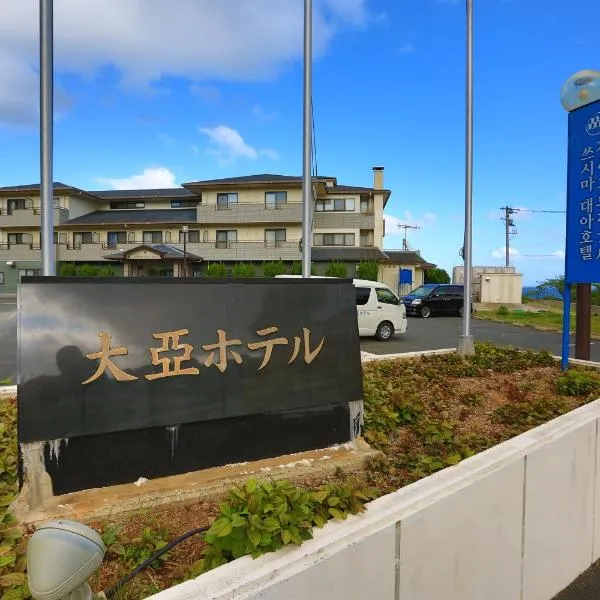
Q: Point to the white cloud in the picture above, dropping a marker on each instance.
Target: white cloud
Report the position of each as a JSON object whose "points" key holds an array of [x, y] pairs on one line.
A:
{"points": [[228, 144], [392, 222], [151, 178], [559, 253], [501, 252], [201, 40]]}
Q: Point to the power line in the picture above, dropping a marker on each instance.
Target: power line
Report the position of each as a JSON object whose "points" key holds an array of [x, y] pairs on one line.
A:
{"points": [[538, 211]]}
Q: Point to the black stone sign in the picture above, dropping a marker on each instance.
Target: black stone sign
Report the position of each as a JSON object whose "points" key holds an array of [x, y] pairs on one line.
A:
{"points": [[129, 377]]}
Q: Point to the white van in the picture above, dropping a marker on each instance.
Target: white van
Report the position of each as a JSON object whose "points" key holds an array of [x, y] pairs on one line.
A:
{"points": [[380, 312]]}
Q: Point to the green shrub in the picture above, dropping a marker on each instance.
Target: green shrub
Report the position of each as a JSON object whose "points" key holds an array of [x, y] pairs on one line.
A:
{"points": [[261, 517], [85, 270], [243, 270], [578, 383], [337, 269], [368, 270], [502, 311], [521, 416], [297, 268], [273, 268], [216, 270]]}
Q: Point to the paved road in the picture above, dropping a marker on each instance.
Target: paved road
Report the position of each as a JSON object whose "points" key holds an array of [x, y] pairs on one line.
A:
{"points": [[422, 334], [444, 332]]}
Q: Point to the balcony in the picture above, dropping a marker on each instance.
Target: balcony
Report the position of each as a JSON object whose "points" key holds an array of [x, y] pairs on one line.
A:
{"points": [[251, 213], [20, 252], [209, 251], [343, 220], [30, 217]]}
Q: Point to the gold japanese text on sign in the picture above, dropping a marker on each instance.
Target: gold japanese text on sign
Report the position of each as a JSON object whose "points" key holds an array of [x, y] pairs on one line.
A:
{"points": [[218, 354]]}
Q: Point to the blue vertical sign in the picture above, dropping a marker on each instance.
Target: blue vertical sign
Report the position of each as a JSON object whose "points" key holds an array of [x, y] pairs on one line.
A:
{"points": [[582, 244]]}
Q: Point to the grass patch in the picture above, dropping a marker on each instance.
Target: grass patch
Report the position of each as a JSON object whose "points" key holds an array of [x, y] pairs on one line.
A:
{"points": [[424, 414], [547, 319]]}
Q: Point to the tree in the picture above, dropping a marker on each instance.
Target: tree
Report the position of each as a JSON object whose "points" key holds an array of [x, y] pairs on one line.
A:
{"points": [[367, 270], [273, 268], [216, 270], [336, 269], [297, 268], [243, 270], [436, 276]]}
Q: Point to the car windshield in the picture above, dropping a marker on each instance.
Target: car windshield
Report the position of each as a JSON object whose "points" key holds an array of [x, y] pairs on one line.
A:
{"points": [[422, 291]]}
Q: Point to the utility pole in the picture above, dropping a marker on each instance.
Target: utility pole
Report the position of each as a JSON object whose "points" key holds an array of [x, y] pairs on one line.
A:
{"points": [[508, 223], [406, 227], [466, 344]]}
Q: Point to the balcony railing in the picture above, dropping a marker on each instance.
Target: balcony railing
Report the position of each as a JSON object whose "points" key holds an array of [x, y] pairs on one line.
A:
{"points": [[353, 220], [29, 217], [257, 212]]}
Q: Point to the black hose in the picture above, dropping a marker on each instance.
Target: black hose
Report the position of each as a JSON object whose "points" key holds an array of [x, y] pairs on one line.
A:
{"points": [[125, 580]]}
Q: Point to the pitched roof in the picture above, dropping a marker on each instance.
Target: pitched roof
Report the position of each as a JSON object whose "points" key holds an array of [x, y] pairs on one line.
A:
{"points": [[252, 179], [165, 250], [36, 187], [178, 192], [350, 253], [151, 215], [407, 257]]}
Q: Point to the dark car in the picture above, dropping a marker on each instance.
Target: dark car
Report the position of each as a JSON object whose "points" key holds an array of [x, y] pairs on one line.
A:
{"points": [[435, 298]]}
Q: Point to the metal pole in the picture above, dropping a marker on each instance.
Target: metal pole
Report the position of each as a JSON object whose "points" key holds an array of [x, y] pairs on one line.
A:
{"points": [[566, 332], [46, 130], [583, 321], [507, 233], [466, 344], [185, 253], [307, 143]]}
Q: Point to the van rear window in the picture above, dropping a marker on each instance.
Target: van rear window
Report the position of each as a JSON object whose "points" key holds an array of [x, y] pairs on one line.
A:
{"points": [[362, 296]]}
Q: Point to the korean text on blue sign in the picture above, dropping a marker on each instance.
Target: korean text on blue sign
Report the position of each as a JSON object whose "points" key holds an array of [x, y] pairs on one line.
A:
{"points": [[583, 196]]}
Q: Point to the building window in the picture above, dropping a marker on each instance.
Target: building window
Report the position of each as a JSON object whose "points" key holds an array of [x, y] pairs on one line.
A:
{"points": [[18, 239], [121, 204], [19, 204], [226, 201], [152, 237], [275, 199], [366, 237], [193, 236], [226, 237], [184, 203], [82, 237], [335, 205], [274, 237], [114, 238], [334, 239], [366, 205]]}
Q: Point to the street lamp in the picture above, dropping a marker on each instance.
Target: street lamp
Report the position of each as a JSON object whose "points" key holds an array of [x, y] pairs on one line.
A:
{"points": [[184, 230], [466, 344], [580, 89]]}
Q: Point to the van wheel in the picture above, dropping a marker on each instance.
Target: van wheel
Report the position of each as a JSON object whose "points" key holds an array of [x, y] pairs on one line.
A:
{"points": [[425, 312], [385, 331]]}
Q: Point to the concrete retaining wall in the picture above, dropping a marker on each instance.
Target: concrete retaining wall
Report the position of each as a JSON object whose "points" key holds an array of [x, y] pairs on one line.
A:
{"points": [[521, 520]]}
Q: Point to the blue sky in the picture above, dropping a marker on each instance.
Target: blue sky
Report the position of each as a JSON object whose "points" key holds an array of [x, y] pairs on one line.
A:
{"points": [[195, 89]]}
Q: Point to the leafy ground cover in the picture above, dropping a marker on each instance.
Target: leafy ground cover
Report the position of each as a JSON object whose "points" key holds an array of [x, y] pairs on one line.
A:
{"points": [[424, 414], [549, 317]]}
